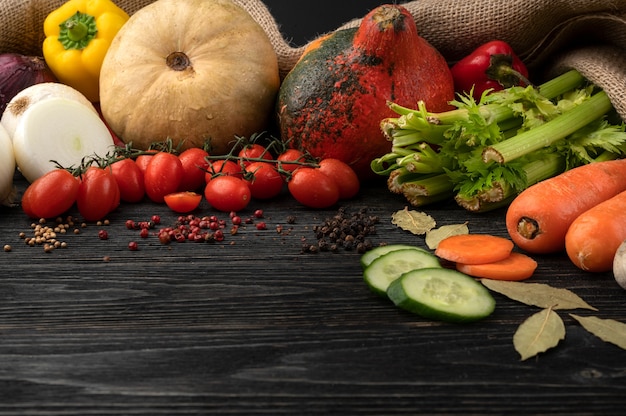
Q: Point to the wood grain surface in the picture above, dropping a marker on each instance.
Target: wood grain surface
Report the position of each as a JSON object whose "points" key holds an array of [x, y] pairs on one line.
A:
{"points": [[254, 326]]}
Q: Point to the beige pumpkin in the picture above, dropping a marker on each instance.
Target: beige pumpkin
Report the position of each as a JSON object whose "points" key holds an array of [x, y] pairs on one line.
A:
{"points": [[191, 71]]}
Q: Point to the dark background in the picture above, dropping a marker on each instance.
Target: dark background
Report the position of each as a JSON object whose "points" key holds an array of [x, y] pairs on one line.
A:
{"points": [[303, 21]]}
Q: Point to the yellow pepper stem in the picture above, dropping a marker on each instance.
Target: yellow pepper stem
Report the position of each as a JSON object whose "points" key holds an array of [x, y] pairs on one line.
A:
{"points": [[77, 31]]}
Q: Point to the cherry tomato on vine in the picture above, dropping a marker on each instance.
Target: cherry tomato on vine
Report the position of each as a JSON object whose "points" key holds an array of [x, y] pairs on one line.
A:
{"points": [[50, 195], [264, 180], [183, 202], [98, 193], [129, 178], [163, 175], [253, 151], [313, 188], [194, 166], [345, 177], [223, 167], [143, 159], [290, 155], [227, 193]]}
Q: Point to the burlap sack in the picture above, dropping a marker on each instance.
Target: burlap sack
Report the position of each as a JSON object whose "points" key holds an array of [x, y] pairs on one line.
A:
{"points": [[549, 35]]}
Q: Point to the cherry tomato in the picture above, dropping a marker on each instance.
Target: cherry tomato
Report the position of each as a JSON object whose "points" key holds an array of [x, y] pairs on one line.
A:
{"points": [[50, 195], [253, 151], [227, 193], [195, 166], [143, 160], [345, 177], [223, 167], [290, 155], [265, 182], [313, 188], [183, 202], [98, 193], [163, 176], [129, 178]]}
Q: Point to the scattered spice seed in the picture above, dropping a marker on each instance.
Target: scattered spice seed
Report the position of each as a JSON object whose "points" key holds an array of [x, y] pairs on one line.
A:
{"points": [[46, 235], [344, 230], [7, 248]]}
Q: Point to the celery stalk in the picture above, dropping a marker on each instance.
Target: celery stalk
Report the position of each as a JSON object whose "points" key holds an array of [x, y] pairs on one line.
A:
{"points": [[501, 192], [430, 189], [546, 134], [484, 153]]}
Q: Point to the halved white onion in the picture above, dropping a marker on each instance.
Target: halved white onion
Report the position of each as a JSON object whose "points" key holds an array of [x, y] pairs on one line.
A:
{"points": [[24, 99], [60, 130]]}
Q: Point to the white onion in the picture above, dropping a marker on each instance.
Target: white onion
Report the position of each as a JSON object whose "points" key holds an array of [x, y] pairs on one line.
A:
{"points": [[33, 94], [7, 168], [58, 130]]}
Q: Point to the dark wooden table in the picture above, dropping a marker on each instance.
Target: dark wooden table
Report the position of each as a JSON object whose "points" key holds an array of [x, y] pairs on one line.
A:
{"points": [[253, 326]]}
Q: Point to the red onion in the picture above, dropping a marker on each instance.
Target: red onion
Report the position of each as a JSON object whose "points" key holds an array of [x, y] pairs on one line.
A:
{"points": [[18, 72]]}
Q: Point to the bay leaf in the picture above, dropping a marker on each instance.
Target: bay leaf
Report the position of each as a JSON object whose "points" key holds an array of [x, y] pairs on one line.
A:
{"points": [[413, 221], [539, 333], [608, 330], [434, 236], [538, 294]]}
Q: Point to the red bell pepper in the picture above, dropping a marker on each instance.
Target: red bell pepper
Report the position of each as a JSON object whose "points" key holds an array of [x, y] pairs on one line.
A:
{"points": [[493, 65]]}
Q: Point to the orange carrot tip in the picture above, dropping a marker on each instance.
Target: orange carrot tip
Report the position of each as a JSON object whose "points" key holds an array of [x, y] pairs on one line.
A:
{"points": [[595, 235], [517, 266], [474, 248]]}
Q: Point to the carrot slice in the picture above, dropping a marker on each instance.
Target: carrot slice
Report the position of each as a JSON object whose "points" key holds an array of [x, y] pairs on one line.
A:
{"points": [[474, 248], [517, 266]]}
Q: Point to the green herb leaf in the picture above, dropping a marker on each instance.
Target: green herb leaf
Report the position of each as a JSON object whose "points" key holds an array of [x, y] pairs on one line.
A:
{"points": [[416, 222], [538, 294], [539, 333], [608, 330]]}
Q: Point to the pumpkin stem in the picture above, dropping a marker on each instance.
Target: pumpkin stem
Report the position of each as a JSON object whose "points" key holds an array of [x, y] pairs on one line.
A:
{"points": [[178, 61], [387, 30], [386, 16]]}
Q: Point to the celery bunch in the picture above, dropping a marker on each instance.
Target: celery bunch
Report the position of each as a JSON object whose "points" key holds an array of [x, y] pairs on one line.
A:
{"points": [[484, 153]]}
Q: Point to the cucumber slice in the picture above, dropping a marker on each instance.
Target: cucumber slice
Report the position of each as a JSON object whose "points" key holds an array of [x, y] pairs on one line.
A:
{"points": [[388, 267], [442, 294], [368, 257]]}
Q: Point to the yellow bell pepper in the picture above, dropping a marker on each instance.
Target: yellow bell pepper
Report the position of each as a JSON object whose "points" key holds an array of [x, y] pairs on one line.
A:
{"points": [[77, 37]]}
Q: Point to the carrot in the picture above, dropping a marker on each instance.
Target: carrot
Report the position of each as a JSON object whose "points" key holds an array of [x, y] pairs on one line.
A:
{"points": [[517, 266], [474, 248], [538, 218], [594, 237]]}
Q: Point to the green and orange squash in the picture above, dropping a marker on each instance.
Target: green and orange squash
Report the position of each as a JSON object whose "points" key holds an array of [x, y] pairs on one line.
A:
{"points": [[332, 102]]}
